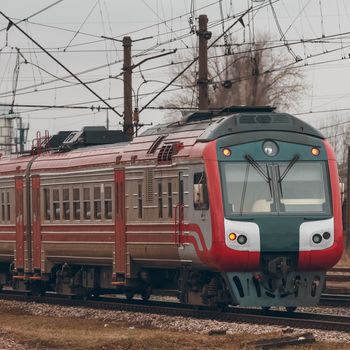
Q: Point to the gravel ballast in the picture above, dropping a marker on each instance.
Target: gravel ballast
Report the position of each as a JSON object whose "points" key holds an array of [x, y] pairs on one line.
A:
{"points": [[177, 323]]}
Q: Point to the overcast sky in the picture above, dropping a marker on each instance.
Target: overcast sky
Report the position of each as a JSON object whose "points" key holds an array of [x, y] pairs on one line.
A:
{"points": [[71, 31]]}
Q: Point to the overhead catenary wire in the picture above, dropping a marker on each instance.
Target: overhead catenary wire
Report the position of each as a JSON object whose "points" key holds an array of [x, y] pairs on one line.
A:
{"points": [[181, 62], [53, 106], [239, 20], [81, 26], [34, 14], [32, 86], [98, 80], [62, 65], [123, 34], [86, 104], [323, 111], [165, 65]]}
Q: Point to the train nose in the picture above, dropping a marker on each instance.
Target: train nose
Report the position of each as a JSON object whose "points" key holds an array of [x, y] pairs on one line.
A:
{"points": [[279, 234], [279, 264]]}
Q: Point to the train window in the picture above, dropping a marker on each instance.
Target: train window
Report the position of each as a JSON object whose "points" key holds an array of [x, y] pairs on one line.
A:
{"points": [[200, 191], [76, 203], [303, 188], [170, 200], [3, 206], [47, 204], [108, 202], [160, 200], [139, 201], [56, 204], [8, 207], [86, 203], [299, 188], [66, 209], [97, 203], [246, 190]]}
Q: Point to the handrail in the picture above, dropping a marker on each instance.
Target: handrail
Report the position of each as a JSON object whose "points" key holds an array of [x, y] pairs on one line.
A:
{"points": [[178, 224]]}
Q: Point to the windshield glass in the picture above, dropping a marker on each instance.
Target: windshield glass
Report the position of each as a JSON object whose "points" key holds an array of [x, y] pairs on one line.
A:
{"points": [[301, 189], [245, 189]]}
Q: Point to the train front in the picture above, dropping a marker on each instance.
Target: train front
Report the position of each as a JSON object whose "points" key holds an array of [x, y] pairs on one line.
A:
{"points": [[276, 214]]}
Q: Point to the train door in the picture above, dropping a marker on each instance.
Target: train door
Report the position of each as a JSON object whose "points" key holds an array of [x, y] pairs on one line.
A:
{"points": [[19, 197], [36, 224], [120, 252], [179, 210]]}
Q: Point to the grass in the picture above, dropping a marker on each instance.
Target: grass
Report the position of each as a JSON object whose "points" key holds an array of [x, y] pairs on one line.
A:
{"points": [[43, 332]]}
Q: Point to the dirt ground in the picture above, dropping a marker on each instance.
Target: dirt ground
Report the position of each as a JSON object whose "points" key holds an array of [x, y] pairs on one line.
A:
{"points": [[23, 331]]}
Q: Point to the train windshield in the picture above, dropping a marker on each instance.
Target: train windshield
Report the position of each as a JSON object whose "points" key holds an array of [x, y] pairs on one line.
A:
{"points": [[283, 187]]}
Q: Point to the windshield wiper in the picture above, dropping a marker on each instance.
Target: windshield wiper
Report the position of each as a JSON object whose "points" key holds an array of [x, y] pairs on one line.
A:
{"points": [[258, 168], [289, 166], [244, 190], [286, 171]]}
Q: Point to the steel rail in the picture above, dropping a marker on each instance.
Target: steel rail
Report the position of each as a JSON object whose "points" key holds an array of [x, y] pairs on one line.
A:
{"points": [[233, 314]]}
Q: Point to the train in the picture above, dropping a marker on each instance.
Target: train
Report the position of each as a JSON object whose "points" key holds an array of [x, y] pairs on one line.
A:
{"points": [[233, 207]]}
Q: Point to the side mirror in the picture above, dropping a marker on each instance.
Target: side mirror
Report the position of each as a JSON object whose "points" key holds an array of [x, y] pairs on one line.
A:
{"points": [[198, 195], [342, 191]]}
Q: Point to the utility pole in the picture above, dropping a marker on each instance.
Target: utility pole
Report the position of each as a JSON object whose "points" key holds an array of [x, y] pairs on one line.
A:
{"points": [[202, 81], [127, 69], [255, 74], [107, 120]]}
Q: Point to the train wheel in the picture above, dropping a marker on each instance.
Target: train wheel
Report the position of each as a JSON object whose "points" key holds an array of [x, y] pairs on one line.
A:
{"points": [[37, 289], [222, 307], [291, 308], [129, 295], [146, 292]]}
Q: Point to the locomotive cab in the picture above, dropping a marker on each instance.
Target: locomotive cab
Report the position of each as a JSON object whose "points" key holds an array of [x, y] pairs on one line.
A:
{"points": [[280, 214]]}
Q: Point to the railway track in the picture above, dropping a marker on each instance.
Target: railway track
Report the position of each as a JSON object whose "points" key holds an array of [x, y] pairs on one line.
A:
{"points": [[337, 283], [333, 299], [338, 274], [234, 314]]}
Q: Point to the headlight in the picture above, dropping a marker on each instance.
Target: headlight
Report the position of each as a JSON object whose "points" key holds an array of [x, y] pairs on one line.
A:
{"points": [[317, 238], [270, 148], [242, 239]]}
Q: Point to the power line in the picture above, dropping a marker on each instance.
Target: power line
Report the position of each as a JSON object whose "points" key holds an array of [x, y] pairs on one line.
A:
{"points": [[59, 63], [4, 94], [98, 108], [239, 20], [323, 111], [334, 125], [129, 33], [66, 116], [34, 14], [81, 26], [72, 106]]}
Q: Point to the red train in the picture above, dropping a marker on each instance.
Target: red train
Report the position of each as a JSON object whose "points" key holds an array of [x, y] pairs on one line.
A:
{"points": [[238, 207]]}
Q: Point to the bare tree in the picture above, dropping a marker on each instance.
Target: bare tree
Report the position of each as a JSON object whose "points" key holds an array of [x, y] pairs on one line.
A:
{"points": [[337, 131], [259, 76]]}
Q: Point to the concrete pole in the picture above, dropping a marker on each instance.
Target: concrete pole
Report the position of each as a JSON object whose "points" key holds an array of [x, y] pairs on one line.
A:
{"points": [[202, 81], [128, 125]]}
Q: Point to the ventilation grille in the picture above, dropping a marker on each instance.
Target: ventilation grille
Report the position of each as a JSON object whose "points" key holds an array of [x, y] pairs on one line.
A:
{"points": [[166, 153], [149, 186], [264, 119]]}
